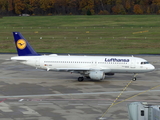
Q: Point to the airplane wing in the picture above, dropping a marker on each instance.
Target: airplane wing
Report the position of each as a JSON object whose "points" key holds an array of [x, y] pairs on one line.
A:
{"points": [[79, 69], [69, 69]]}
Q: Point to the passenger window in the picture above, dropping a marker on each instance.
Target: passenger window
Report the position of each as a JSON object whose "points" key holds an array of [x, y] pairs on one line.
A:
{"points": [[142, 112]]}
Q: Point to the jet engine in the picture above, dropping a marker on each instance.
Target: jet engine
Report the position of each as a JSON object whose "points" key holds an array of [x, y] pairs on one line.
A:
{"points": [[97, 75]]}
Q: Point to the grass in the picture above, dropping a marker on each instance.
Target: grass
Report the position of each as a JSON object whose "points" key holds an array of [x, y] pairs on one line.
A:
{"points": [[109, 34]]}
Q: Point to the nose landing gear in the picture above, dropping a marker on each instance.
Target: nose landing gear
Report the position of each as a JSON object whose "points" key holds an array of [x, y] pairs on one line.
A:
{"points": [[134, 78]]}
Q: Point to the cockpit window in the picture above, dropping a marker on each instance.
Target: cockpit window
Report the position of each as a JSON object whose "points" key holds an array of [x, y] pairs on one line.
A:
{"points": [[144, 63]]}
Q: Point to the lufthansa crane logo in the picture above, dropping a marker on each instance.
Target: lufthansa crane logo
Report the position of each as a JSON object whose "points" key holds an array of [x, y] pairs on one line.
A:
{"points": [[21, 44]]}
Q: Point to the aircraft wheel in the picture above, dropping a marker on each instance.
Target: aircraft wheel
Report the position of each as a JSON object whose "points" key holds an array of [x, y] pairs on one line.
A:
{"points": [[80, 79], [134, 79]]}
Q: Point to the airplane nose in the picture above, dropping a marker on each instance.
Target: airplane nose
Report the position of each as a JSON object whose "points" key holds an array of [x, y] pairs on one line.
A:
{"points": [[152, 68]]}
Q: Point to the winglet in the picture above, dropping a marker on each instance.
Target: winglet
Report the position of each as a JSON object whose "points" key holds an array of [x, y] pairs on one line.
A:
{"points": [[23, 47]]}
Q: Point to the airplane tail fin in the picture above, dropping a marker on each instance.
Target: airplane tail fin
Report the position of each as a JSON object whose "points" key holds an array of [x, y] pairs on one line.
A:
{"points": [[23, 47]]}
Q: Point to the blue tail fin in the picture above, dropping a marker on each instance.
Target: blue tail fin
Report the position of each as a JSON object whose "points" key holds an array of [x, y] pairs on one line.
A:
{"points": [[23, 47]]}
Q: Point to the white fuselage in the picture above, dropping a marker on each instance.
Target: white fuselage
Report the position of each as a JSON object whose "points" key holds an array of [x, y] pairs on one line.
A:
{"points": [[107, 64], [93, 67]]}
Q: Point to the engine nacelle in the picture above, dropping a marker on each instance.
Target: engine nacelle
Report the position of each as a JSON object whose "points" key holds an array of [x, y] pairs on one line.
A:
{"points": [[97, 75]]}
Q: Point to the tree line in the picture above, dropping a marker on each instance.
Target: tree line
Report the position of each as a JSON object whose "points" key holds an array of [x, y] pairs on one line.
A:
{"points": [[78, 7]]}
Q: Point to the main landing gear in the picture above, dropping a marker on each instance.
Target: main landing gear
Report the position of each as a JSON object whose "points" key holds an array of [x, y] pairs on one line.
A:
{"points": [[80, 79], [134, 78]]}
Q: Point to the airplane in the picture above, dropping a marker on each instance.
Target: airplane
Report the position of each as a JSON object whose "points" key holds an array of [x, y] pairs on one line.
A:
{"points": [[93, 67]]}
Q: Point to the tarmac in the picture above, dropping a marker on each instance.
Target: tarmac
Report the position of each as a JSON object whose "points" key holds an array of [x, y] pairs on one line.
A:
{"points": [[27, 93]]}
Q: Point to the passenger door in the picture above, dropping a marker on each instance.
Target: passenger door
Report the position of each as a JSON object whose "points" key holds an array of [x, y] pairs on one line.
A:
{"points": [[133, 64], [37, 63]]}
